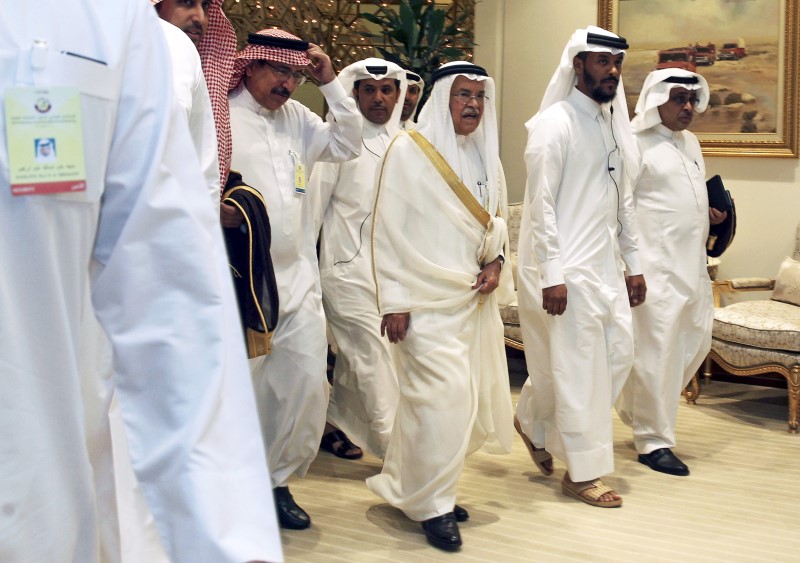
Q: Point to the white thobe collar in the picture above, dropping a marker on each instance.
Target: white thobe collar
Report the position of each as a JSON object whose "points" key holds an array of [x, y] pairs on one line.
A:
{"points": [[666, 132], [587, 105], [371, 130], [243, 96], [471, 168], [375, 138]]}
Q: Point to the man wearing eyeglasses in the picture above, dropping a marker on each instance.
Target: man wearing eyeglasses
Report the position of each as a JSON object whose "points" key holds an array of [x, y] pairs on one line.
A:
{"points": [[437, 240], [276, 142], [672, 331], [577, 230]]}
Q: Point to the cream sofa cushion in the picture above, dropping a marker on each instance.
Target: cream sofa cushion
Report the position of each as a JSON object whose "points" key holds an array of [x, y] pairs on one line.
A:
{"points": [[787, 282], [762, 324]]}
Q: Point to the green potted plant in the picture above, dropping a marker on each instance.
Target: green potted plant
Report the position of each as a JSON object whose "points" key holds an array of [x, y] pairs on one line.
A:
{"points": [[419, 36]]}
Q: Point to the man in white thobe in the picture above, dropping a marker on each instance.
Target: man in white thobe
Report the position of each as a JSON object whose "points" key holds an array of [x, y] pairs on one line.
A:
{"points": [[276, 142], [200, 24], [577, 228], [205, 24], [438, 238], [160, 288], [672, 331], [188, 27], [411, 100], [363, 397]]}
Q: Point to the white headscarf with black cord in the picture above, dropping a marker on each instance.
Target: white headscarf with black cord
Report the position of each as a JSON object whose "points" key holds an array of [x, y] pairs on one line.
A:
{"points": [[655, 92], [594, 40], [436, 124], [376, 69]]}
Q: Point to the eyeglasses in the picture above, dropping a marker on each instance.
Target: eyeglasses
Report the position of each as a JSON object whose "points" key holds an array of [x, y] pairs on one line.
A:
{"points": [[285, 73], [464, 97], [681, 100]]}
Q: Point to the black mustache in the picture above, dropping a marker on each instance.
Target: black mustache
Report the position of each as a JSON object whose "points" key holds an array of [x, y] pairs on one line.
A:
{"points": [[611, 79], [281, 91]]}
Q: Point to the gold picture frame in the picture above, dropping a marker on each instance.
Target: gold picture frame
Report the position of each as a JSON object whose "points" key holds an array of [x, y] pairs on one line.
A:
{"points": [[761, 55]]}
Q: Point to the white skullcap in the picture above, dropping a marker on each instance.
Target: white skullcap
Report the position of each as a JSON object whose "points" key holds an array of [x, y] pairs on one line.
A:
{"points": [[436, 124], [376, 69], [655, 92]]}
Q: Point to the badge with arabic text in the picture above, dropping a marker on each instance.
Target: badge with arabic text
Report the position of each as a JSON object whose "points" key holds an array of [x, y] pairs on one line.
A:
{"points": [[45, 140]]}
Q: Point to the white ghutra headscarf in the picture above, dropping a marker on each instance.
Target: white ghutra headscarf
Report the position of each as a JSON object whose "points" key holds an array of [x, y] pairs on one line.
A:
{"points": [[377, 69], [594, 40], [436, 124], [655, 92]]}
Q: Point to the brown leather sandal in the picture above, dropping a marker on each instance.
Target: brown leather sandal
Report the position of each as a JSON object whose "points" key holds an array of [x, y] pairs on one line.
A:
{"points": [[540, 456], [589, 492]]}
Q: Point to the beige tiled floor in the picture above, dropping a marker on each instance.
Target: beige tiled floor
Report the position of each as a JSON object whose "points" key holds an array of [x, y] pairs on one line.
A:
{"points": [[739, 504]]}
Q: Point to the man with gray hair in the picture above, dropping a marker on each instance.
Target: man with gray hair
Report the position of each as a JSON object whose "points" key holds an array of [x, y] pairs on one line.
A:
{"points": [[437, 239], [672, 330], [577, 228]]}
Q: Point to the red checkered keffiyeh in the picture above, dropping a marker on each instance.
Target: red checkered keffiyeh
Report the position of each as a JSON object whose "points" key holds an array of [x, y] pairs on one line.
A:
{"points": [[252, 52], [217, 51]]}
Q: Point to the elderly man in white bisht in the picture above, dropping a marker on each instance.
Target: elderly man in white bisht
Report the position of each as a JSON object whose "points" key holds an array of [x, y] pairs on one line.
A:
{"points": [[672, 331], [438, 239], [364, 392], [276, 142], [577, 228]]}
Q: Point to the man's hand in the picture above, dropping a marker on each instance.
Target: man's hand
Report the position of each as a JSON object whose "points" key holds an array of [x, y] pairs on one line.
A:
{"points": [[230, 216], [321, 67], [715, 216], [554, 299], [637, 289], [489, 278], [395, 326]]}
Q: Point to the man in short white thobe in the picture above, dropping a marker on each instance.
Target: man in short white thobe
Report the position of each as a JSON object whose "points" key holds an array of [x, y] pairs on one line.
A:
{"points": [[363, 397], [672, 330], [276, 142], [577, 228], [160, 288], [438, 239]]}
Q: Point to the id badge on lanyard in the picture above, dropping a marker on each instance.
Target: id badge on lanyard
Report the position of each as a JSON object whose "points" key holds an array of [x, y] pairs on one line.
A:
{"points": [[299, 173], [45, 137]]}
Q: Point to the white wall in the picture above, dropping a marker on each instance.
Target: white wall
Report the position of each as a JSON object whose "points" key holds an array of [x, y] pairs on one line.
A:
{"points": [[520, 43]]}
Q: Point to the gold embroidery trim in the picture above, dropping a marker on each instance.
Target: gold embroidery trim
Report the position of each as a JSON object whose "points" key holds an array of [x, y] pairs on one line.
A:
{"points": [[250, 340], [374, 217], [449, 176]]}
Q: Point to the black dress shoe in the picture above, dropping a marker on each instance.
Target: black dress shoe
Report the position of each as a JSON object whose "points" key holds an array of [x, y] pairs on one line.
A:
{"points": [[665, 461], [460, 513], [290, 516], [442, 532]]}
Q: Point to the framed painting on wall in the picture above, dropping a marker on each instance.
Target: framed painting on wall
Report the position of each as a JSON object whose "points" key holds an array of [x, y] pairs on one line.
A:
{"points": [[747, 50]]}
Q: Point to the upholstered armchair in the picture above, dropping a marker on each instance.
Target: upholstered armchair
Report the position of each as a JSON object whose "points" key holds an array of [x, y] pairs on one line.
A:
{"points": [[758, 337], [509, 313]]}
